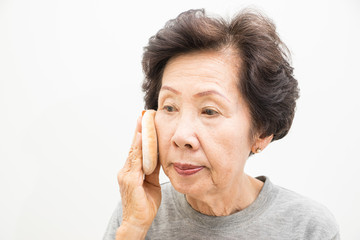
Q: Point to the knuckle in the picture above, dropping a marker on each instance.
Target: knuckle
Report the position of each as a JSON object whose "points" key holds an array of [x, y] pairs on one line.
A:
{"points": [[133, 158], [120, 176], [122, 179], [134, 150]]}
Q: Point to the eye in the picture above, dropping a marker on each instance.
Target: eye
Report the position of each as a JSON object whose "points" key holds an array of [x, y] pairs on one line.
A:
{"points": [[209, 112], [169, 108]]}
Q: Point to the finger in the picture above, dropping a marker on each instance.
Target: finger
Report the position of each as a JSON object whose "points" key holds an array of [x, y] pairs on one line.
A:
{"points": [[137, 129], [134, 160], [153, 178], [134, 149]]}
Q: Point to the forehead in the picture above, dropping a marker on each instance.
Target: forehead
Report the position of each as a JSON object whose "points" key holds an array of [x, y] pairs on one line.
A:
{"points": [[201, 68]]}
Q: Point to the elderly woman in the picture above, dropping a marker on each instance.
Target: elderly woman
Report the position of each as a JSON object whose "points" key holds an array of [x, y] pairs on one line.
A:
{"points": [[223, 91]]}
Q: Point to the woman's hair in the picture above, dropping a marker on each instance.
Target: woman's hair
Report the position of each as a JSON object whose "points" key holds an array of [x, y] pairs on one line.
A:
{"points": [[266, 79]]}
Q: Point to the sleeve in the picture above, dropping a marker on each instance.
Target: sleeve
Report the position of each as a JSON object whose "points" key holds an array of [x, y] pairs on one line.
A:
{"points": [[114, 223]]}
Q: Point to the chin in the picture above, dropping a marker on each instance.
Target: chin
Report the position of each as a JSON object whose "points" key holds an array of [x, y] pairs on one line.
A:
{"points": [[190, 185]]}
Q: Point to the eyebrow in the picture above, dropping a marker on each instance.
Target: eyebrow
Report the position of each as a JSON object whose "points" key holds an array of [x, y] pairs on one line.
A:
{"points": [[200, 94], [170, 89], [206, 93]]}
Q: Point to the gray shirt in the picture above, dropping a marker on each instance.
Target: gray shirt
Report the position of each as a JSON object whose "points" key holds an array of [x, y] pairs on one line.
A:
{"points": [[277, 213]]}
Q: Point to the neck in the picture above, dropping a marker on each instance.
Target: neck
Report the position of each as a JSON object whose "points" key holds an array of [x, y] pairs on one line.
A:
{"points": [[229, 200]]}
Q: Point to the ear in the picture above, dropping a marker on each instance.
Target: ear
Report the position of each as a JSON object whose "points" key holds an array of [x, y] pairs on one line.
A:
{"points": [[261, 143]]}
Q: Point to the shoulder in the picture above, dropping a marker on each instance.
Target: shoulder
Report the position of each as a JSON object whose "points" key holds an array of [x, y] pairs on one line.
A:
{"points": [[310, 217]]}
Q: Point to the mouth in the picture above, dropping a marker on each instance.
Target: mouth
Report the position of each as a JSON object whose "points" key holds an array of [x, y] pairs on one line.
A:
{"points": [[186, 169]]}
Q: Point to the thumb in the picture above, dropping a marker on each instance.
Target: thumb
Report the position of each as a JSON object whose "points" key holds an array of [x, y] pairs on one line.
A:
{"points": [[153, 178]]}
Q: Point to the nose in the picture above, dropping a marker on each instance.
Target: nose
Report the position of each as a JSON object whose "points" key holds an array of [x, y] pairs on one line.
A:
{"points": [[185, 134]]}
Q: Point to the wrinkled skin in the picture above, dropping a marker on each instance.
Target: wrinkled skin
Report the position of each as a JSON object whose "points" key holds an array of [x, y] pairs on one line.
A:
{"points": [[140, 196]]}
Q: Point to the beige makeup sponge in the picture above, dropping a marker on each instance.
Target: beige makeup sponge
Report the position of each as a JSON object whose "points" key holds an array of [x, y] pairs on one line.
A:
{"points": [[149, 141]]}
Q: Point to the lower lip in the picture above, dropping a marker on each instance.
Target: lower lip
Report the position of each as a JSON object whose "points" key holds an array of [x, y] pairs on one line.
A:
{"points": [[187, 172]]}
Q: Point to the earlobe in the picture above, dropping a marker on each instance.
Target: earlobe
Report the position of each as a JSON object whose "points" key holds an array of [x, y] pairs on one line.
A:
{"points": [[261, 143]]}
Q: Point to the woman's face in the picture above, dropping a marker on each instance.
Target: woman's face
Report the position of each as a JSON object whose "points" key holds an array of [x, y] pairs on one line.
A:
{"points": [[203, 124]]}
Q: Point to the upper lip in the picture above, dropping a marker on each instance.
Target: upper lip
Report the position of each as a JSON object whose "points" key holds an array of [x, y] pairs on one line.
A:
{"points": [[184, 166]]}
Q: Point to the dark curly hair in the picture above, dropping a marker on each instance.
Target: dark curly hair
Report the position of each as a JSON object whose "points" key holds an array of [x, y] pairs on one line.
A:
{"points": [[265, 75]]}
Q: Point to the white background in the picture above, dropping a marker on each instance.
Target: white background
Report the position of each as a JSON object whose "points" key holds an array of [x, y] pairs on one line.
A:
{"points": [[70, 77]]}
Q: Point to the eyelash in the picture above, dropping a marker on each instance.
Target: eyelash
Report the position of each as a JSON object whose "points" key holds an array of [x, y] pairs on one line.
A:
{"points": [[206, 111], [209, 112]]}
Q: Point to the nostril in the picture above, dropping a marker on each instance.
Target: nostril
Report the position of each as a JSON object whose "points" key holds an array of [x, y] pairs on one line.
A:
{"points": [[188, 146]]}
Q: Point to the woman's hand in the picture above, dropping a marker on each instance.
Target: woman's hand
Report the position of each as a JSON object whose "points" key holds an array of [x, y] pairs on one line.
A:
{"points": [[140, 197]]}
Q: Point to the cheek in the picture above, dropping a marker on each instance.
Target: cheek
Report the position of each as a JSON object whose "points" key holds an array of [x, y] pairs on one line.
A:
{"points": [[163, 131], [229, 148]]}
